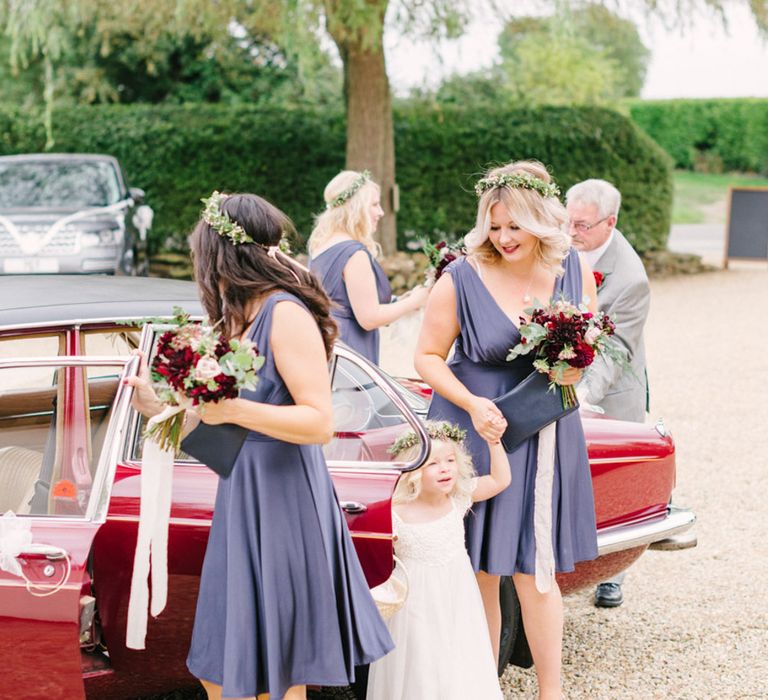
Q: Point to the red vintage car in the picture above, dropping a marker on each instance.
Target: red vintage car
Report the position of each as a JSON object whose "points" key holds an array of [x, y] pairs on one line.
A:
{"points": [[70, 460]]}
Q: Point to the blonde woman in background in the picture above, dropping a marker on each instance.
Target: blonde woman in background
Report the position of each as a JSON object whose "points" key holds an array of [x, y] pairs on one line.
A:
{"points": [[343, 255]]}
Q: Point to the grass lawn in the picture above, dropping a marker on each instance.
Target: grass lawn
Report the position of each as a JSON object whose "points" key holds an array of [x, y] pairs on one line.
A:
{"points": [[702, 198]]}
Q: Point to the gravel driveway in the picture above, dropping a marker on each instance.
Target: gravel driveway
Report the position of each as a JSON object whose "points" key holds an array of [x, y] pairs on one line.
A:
{"points": [[694, 624]]}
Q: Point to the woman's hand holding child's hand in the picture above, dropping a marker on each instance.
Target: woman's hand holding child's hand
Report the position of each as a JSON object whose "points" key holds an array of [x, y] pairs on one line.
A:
{"points": [[487, 419]]}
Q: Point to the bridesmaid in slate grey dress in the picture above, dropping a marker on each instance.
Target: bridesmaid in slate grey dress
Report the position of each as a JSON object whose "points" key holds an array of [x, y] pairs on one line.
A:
{"points": [[519, 252], [343, 256], [283, 601]]}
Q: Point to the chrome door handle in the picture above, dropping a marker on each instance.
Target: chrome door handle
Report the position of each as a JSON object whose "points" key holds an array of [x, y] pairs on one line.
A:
{"points": [[353, 507]]}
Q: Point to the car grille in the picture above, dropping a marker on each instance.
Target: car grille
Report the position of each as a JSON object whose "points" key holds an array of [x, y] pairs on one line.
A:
{"points": [[63, 243]]}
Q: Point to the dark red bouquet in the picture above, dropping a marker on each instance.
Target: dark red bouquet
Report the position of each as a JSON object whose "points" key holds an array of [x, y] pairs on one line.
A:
{"points": [[193, 365], [563, 335], [440, 255]]}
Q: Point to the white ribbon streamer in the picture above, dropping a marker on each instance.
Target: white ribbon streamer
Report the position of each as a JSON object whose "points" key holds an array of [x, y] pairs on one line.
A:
{"points": [[152, 541], [542, 508], [15, 538]]}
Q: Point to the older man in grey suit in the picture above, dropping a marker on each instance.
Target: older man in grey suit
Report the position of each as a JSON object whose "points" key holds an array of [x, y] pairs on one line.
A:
{"points": [[624, 294]]}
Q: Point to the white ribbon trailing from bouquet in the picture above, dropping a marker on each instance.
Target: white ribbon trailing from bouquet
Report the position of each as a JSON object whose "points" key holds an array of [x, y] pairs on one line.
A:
{"points": [[542, 508], [152, 541]]}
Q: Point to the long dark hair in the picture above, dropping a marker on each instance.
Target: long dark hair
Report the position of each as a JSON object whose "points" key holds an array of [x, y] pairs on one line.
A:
{"points": [[230, 275]]}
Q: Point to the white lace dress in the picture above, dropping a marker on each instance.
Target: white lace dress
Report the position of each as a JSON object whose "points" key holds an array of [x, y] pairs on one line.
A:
{"points": [[442, 648]]}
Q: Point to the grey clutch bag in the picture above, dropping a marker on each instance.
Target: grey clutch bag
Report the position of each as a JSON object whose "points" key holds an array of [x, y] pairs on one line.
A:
{"points": [[217, 446], [528, 408]]}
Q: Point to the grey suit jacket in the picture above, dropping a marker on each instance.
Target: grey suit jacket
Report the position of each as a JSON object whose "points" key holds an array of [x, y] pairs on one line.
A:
{"points": [[625, 296]]}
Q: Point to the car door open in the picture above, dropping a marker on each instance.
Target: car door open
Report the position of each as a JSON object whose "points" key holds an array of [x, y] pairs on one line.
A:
{"points": [[60, 419]]}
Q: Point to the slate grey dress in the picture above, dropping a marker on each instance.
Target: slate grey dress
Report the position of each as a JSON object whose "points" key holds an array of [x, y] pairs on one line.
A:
{"points": [[283, 600], [499, 531], [329, 267]]}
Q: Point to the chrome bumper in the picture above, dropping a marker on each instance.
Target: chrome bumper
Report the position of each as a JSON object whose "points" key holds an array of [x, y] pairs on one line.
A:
{"points": [[662, 530]]}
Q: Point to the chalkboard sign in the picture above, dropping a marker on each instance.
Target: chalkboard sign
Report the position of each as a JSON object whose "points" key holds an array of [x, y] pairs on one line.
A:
{"points": [[747, 234]]}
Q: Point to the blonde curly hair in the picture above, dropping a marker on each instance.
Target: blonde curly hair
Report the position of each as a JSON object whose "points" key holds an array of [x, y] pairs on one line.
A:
{"points": [[409, 484], [352, 217], [544, 217]]}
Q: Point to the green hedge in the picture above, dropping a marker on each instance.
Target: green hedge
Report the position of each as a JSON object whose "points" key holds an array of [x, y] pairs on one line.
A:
{"points": [[727, 134], [180, 153], [440, 154]]}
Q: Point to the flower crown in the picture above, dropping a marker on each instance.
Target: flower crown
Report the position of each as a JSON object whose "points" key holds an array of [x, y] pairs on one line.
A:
{"points": [[219, 220], [523, 180], [440, 431], [347, 194]]}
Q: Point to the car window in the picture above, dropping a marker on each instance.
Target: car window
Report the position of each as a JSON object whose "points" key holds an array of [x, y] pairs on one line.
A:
{"points": [[30, 346], [52, 430], [366, 419], [369, 412], [44, 345], [67, 184], [114, 341]]}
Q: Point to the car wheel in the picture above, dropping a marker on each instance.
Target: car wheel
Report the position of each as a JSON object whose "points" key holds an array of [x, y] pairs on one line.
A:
{"points": [[514, 644]]}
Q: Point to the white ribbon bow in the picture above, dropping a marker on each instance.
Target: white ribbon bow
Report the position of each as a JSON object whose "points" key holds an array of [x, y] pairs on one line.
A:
{"points": [[15, 537]]}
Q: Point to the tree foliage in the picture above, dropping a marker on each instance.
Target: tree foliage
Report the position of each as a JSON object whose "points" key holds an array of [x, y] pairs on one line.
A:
{"points": [[596, 38], [588, 55], [232, 66]]}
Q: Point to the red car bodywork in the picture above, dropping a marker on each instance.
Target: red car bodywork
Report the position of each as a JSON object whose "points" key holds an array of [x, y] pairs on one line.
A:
{"points": [[633, 471]]}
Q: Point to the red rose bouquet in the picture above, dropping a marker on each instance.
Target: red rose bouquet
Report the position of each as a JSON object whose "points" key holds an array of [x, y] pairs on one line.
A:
{"points": [[194, 365], [563, 335], [440, 255]]}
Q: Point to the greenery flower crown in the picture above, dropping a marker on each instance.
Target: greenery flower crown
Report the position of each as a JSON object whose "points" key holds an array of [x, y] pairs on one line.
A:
{"points": [[441, 431], [347, 194], [220, 222], [525, 181]]}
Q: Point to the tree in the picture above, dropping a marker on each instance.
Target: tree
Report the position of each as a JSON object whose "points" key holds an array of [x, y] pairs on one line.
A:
{"points": [[356, 26], [594, 36]]}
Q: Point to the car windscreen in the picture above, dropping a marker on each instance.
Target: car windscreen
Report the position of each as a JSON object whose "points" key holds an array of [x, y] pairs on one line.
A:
{"points": [[58, 184]]}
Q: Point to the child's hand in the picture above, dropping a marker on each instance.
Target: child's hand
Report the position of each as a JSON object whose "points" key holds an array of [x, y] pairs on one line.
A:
{"points": [[500, 476]]}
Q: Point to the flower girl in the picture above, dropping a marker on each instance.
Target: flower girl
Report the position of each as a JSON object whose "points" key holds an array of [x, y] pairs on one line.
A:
{"points": [[442, 648]]}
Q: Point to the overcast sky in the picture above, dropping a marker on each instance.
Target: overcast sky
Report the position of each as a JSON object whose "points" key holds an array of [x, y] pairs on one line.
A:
{"points": [[703, 60]]}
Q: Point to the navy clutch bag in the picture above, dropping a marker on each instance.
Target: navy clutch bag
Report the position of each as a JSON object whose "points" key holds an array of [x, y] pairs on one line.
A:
{"points": [[217, 446], [528, 408]]}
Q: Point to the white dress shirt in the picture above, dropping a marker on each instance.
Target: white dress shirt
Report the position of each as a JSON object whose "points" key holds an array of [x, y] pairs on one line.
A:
{"points": [[592, 256]]}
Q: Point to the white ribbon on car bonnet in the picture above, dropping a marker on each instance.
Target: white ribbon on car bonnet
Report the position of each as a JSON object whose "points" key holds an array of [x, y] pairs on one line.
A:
{"points": [[33, 245], [152, 541]]}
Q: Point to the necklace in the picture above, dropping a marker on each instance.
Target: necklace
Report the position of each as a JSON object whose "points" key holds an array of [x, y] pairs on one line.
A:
{"points": [[526, 294]]}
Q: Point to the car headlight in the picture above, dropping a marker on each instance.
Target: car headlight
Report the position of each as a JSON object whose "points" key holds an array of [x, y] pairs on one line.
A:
{"points": [[107, 236]]}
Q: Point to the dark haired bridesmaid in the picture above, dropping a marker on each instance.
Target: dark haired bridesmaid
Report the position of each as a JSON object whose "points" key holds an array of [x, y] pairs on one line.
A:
{"points": [[283, 602]]}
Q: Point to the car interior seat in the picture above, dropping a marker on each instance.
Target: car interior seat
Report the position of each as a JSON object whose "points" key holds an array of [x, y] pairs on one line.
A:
{"points": [[19, 469]]}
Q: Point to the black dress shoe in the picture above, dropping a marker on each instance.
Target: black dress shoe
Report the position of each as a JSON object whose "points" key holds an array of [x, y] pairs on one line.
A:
{"points": [[608, 595]]}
